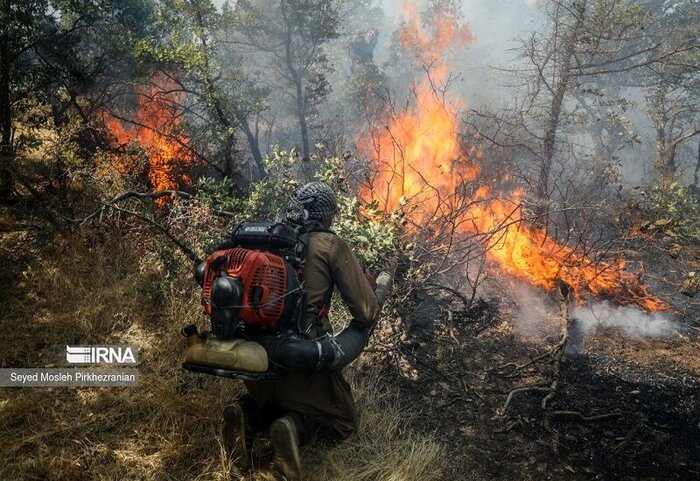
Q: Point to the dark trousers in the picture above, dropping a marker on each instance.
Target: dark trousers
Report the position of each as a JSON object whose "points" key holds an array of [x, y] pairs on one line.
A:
{"points": [[320, 403]]}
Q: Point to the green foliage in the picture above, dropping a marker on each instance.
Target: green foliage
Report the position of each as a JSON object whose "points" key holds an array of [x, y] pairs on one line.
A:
{"points": [[182, 38], [270, 194], [219, 205], [372, 234], [217, 193], [675, 203], [362, 84], [263, 198]]}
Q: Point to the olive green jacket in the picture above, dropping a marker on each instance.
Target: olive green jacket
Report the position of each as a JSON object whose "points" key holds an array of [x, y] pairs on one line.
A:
{"points": [[331, 263]]}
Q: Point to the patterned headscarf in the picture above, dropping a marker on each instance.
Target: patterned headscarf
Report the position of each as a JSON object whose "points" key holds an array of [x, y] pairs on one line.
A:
{"points": [[314, 202]]}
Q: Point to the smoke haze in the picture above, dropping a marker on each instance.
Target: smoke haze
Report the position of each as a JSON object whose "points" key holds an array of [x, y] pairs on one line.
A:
{"points": [[498, 28], [627, 319]]}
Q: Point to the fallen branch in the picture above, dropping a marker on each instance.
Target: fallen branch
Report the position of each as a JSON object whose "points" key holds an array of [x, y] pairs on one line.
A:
{"points": [[467, 388], [517, 423], [112, 204], [516, 367], [587, 419], [406, 352], [459, 361], [127, 195], [517, 390], [628, 437], [452, 291], [183, 247], [456, 397]]}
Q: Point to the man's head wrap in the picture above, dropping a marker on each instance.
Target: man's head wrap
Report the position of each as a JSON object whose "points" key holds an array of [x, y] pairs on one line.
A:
{"points": [[314, 202], [318, 199]]}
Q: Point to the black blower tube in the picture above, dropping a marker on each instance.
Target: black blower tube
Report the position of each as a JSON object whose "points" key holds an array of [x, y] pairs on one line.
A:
{"points": [[331, 352]]}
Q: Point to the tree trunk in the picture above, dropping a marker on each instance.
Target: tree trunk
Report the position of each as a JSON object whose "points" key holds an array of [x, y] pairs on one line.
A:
{"points": [[254, 147], [302, 121], [662, 156], [552, 123], [298, 86], [696, 174], [601, 152], [6, 148], [215, 105]]}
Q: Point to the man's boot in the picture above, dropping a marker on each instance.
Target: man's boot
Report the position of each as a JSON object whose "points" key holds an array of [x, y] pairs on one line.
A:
{"points": [[233, 433], [284, 436]]}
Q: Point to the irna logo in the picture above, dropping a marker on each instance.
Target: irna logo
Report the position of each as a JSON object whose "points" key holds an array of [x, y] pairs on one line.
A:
{"points": [[101, 354]]}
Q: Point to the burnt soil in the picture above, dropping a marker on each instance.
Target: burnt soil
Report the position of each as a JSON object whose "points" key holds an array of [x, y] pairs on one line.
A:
{"points": [[457, 370]]}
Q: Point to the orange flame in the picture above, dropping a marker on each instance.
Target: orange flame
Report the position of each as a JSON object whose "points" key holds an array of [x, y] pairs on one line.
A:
{"points": [[157, 130], [418, 157], [419, 166]]}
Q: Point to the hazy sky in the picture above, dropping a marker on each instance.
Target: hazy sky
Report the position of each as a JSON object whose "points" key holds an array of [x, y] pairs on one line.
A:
{"points": [[495, 25]]}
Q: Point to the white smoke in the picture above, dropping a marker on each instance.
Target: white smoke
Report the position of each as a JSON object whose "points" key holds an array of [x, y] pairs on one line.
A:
{"points": [[628, 319], [538, 314]]}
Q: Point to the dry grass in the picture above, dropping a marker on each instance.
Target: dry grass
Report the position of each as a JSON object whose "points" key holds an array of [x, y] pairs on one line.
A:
{"points": [[384, 447], [81, 291]]}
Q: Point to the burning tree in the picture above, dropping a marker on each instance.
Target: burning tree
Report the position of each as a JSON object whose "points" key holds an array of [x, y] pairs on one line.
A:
{"points": [[463, 218], [156, 130], [420, 168]]}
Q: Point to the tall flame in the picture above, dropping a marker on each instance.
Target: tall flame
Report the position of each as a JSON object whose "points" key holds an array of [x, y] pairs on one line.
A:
{"points": [[419, 164], [157, 130], [418, 157]]}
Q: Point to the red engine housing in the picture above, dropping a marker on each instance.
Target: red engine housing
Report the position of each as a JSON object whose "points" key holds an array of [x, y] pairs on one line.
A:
{"points": [[264, 277]]}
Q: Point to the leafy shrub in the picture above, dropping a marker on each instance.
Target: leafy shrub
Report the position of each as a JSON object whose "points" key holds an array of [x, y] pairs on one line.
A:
{"points": [[206, 219], [262, 199], [373, 235], [675, 203]]}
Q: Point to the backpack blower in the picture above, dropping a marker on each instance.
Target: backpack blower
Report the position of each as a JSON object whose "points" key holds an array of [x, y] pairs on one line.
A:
{"points": [[253, 294]]}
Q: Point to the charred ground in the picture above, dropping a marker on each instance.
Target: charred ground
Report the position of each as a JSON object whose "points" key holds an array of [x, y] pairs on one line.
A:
{"points": [[624, 408]]}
